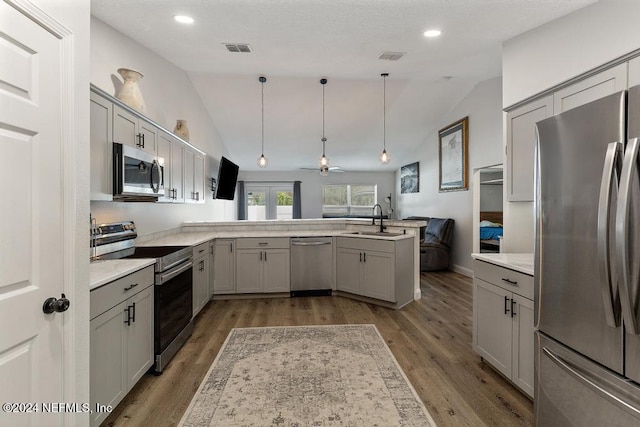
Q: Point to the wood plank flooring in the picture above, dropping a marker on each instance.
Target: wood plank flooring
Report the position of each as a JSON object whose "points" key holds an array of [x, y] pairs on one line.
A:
{"points": [[430, 338]]}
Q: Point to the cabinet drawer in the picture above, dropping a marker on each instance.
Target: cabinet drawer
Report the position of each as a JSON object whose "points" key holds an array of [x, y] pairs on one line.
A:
{"points": [[112, 294], [514, 281], [201, 250], [263, 243], [365, 244]]}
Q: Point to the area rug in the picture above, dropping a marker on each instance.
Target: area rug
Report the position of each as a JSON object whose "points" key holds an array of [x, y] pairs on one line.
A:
{"points": [[342, 375]]}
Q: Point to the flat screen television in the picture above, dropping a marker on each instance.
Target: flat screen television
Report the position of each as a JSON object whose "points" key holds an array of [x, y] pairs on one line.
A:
{"points": [[227, 178]]}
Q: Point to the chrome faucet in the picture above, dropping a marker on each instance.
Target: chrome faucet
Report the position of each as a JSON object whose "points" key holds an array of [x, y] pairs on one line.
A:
{"points": [[373, 222]]}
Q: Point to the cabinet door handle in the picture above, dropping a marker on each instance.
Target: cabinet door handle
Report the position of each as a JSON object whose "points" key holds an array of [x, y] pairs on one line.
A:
{"points": [[134, 312], [513, 308], [506, 305], [139, 143], [260, 255], [128, 310], [365, 257], [511, 282], [360, 256], [265, 256], [197, 195], [143, 140]]}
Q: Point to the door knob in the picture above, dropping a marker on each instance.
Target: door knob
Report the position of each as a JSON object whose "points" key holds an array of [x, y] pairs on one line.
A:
{"points": [[54, 304]]}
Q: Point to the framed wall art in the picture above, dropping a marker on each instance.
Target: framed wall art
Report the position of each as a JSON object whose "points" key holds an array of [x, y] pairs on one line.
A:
{"points": [[410, 178], [453, 154]]}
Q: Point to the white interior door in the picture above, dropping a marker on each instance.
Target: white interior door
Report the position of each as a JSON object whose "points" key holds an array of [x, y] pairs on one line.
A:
{"points": [[31, 217]]}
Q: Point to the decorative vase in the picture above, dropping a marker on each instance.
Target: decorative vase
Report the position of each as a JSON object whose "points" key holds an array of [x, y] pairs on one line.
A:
{"points": [[130, 92], [182, 130]]}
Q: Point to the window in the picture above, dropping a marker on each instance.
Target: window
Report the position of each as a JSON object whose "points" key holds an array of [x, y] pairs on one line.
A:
{"points": [[348, 199], [269, 202]]}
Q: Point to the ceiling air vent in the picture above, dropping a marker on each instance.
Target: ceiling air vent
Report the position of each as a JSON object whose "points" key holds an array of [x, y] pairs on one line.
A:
{"points": [[391, 56], [238, 47]]}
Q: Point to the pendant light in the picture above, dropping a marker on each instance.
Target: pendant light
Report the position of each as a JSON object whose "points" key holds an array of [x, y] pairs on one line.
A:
{"points": [[262, 160], [384, 157], [324, 161]]}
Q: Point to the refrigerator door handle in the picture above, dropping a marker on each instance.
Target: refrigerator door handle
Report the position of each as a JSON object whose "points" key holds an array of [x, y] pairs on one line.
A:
{"points": [[582, 377], [629, 171], [608, 187]]}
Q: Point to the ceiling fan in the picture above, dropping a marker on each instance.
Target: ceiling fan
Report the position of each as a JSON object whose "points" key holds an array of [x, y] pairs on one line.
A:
{"points": [[324, 170]]}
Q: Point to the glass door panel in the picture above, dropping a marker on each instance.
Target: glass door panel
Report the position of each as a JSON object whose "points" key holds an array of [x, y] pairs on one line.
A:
{"points": [[284, 204], [257, 204]]}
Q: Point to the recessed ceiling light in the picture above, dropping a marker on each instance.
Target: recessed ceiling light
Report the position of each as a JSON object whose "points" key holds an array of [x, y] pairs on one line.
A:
{"points": [[183, 19], [432, 33]]}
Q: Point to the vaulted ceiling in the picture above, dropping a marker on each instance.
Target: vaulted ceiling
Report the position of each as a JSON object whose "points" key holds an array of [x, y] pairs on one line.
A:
{"points": [[295, 43]]}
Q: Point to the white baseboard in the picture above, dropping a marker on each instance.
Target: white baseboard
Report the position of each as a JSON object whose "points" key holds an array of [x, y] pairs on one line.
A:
{"points": [[461, 270], [417, 294]]}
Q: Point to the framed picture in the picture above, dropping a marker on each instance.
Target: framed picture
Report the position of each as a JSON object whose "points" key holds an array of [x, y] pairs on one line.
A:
{"points": [[454, 153], [410, 178]]}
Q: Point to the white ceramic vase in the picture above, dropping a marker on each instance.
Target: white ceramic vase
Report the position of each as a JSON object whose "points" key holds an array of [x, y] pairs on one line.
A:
{"points": [[182, 130], [130, 91]]}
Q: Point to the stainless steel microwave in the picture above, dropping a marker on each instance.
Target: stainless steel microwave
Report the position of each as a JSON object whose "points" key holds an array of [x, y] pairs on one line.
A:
{"points": [[137, 175]]}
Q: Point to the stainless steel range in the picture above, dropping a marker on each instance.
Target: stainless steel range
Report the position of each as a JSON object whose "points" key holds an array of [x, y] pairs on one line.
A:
{"points": [[173, 303]]}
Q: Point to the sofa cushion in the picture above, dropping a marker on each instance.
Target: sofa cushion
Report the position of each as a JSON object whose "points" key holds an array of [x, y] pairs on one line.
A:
{"points": [[432, 241], [436, 227]]}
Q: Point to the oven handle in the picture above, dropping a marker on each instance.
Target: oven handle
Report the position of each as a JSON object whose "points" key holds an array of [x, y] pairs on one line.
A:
{"points": [[170, 275], [180, 261]]}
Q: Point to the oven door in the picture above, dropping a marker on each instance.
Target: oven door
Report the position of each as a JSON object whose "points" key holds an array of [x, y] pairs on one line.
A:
{"points": [[136, 173], [173, 304]]}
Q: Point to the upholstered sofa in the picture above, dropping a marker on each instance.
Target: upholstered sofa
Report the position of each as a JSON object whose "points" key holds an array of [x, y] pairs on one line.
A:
{"points": [[435, 242]]}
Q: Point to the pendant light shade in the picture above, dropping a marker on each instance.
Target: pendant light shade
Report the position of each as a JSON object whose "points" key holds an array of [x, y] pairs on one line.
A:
{"points": [[384, 157], [262, 160], [324, 160]]}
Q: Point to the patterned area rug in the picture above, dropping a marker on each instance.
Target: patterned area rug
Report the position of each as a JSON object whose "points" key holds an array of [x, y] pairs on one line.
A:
{"points": [[343, 375]]}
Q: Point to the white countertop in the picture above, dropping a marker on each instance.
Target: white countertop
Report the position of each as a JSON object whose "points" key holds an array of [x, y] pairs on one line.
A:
{"points": [[307, 222], [197, 237], [518, 262], [103, 272]]}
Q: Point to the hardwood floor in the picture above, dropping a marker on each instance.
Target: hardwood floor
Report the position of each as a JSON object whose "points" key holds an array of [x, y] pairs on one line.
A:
{"points": [[430, 338]]}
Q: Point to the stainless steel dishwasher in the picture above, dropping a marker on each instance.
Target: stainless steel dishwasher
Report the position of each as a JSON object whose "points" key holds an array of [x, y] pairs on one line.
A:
{"points": [[311, 266]]}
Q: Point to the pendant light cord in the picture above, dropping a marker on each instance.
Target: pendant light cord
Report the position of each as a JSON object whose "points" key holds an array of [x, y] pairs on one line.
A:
{"points": [[262, 83], [384, 113], [324, 140]]}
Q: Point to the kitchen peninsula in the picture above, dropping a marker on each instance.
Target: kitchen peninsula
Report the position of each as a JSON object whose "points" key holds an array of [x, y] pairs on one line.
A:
{"points": [[195, 234]]}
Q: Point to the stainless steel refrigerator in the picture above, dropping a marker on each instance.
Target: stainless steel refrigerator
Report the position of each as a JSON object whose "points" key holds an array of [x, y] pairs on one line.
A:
{"points": [[587, 265]]}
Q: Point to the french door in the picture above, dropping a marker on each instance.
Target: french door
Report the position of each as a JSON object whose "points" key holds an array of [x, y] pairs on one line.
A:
{"points": [[269, 202]]}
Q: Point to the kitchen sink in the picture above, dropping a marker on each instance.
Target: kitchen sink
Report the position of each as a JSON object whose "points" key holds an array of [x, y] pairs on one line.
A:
{"points": [[376, 233]]}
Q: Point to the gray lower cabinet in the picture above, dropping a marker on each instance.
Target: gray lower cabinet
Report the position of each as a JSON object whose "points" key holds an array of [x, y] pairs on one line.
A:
{"points": [[262, 265], [224, 267], [121, 338], [503, 322], [380, 269], [201, 268]]}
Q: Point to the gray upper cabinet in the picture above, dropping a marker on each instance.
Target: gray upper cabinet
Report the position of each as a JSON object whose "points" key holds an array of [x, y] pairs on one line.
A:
{"points": [[110, 121], [101, 128], [634, 72], [595, 87], [193, 177], [521, 121], [521, 136], [172, 151], [130, 130]]}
